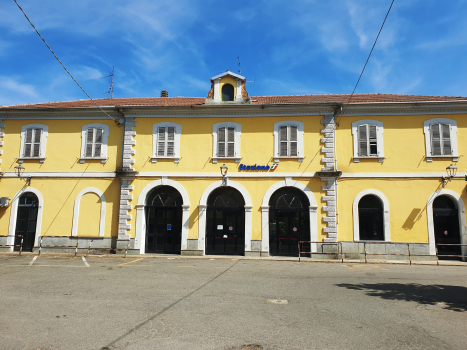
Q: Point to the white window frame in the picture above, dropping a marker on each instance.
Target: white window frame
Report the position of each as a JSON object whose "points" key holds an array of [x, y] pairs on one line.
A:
{"points": [[300, 132], [453, 134], [379, 140], [237, 134], [155, 135], [103, 158], [45, 133]]}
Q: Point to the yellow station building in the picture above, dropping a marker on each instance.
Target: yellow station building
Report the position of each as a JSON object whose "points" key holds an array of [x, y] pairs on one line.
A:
{"points": [[232, 174]]}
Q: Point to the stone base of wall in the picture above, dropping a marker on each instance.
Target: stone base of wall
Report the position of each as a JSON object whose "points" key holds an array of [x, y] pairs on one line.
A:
{"points": [[192, 253]]}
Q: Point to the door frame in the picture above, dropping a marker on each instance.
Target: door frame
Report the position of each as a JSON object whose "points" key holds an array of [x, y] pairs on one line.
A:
{"points": [[14, 214], [140, 235], [461, 214], [313, 209], [203, 208]]}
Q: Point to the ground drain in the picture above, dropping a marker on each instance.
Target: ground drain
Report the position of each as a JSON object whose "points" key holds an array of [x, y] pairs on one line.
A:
{"points": [[277, 301]]}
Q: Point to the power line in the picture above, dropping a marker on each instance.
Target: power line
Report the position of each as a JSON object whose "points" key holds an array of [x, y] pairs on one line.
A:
{"points": [[45, 42], [374, 44]]}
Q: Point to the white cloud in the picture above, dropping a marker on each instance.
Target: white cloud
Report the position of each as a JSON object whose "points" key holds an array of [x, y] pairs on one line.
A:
{"points": [[14, 92]]}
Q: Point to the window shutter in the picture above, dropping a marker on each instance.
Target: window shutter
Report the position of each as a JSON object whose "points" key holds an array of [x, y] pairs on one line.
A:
{"points": [[446, 130], [230, 150], [231, 135], [231, 142], [27, 150], [283, 141], [161, 142], [435, 140], [293, 141], [373, 140], [98, 143], [221, 142], [362, 141], [89, 139], [28, 143]]}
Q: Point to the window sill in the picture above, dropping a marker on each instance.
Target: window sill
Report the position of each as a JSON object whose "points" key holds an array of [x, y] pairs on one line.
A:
{"points": [[176, 159], [41, 160], [380, 159], [87, 159], [237, 159], [299, 159], [454, 158]]}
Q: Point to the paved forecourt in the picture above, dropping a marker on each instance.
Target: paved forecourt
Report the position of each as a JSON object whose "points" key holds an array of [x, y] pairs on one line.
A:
{"points": [[52, 302]]}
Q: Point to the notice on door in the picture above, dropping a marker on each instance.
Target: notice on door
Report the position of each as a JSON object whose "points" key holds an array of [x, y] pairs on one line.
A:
{"points": [[169, 227], [220, 227]]}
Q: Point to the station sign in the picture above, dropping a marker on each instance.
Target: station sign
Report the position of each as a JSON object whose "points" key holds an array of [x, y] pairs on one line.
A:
{"points": [[258, 167]]}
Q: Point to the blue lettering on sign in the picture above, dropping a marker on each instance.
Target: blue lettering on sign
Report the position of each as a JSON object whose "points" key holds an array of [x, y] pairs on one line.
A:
{"points": [[257, 167]]}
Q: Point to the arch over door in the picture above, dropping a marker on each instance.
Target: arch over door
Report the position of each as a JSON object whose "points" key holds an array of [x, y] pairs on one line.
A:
{"points": [[225, 222], [26, 222], [371, 218], [163, 221], [289, 221], [446, 225]]}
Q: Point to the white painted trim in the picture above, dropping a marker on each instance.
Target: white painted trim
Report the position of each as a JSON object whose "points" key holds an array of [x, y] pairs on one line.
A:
{"points": [[300, 133], [453, 132], [203, 207], [14, 213], [237, 76], [239, 90], [105, 137], [237, 135], [379, 138], [386, 223], [462, 221], [140, 235], [64, 174], [45, 134], [265, 210], [74, 228], [155, 134], [400, 175]]}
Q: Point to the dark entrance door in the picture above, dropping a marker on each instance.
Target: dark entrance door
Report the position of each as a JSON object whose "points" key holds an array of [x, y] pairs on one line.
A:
{"points": [[288, 221], [370, 218], [446, 225], [225, 222], [164, 221], [26, 221]]}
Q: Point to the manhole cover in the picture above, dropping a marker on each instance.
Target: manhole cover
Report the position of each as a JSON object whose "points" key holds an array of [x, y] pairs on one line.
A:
{"points": [[251, 347], [277, 301]]}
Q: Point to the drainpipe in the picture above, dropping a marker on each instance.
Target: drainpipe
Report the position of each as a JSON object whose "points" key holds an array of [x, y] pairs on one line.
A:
{"points": [[337, 110]]}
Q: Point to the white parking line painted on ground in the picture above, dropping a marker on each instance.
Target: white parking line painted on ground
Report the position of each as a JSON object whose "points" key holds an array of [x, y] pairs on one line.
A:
{"points": [[85, 262], [32, 261]]}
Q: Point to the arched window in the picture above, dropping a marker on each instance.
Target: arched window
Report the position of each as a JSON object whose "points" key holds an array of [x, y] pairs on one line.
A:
{"points": [[228, 92], [226, 197], [370, 216]]}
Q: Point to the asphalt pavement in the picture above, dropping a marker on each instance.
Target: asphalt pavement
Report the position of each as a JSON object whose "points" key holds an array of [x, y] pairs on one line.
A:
{"points": [[144, 302]]}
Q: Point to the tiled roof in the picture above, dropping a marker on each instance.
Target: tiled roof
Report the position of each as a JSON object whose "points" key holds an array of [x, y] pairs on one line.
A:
{"points": [[191, 101]]}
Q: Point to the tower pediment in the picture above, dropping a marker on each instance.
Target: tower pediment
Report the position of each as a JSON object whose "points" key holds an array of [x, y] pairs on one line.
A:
{"points": [[228, 88]]}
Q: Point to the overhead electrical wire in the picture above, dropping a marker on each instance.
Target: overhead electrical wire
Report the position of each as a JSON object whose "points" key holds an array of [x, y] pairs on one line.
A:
{"points": [[45, 42], [374, 44]]}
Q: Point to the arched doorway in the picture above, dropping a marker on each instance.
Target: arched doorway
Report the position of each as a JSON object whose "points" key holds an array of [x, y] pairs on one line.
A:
{"points": [[289, 221], [370, 218], [225, 222], [446, 225], [26, 221], [163, 221]]}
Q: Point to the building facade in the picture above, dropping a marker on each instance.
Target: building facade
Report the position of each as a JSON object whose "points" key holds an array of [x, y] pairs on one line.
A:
{"points": [[233, 174]]}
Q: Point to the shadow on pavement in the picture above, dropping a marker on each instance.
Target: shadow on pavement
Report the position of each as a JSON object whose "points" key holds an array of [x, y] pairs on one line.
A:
{"points": [[448, 297]]}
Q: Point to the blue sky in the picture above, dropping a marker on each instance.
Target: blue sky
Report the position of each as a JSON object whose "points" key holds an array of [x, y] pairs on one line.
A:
{"points": [[287, 47]]}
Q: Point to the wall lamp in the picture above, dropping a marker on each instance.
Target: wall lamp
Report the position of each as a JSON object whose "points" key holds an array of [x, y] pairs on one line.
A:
{"points": [[451, 171], [19, 170], [224, 174]]}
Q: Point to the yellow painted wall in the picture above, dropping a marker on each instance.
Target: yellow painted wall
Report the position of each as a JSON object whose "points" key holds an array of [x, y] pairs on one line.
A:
{"points": [[256, 145], [256, 188], [404, 145], [90, 214], [407, 204], [63, 146], [59, 199]]}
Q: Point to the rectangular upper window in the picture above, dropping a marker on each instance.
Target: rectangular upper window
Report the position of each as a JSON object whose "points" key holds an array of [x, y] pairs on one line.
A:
{"points": [[94, 142], [33, 142], [288, 140], [166, 141], [440, 138], [226, 141], [368, 140]]}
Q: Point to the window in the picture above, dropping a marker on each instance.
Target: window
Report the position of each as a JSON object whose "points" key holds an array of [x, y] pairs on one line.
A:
{"points": [[440, 138], [94, 142], [33, 141], [367, 140], [226, 141], [166, 141], [288, 140], [227, 92]]}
